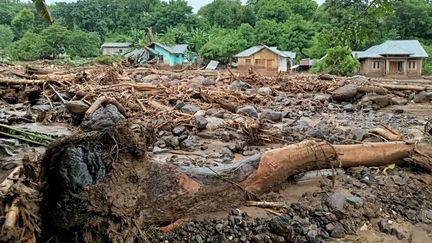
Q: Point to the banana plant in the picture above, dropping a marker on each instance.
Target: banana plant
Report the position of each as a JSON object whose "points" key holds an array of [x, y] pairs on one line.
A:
{"points": [[43, 11]]}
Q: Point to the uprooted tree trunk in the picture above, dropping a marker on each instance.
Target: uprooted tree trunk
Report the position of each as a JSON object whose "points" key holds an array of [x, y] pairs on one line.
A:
{"points": [[103, 187]]}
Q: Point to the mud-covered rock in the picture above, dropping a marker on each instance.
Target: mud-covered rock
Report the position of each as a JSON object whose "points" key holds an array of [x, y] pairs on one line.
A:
{"points": [[271, 116], [200, 123], [265, 91], [238, 84], [102, 118], [77, 107], [422, 97], [248, 110], [345, 92]]}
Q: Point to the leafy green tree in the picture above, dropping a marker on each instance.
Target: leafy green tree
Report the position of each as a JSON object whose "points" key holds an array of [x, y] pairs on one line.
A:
{"points": [[268, 32], [55, 37], [275, 10], [298, 35], [29, 48], [8, 9], [222, 44], [427, 63], [339, 61], [23, 22], [170, 14], [6, 36], [247, 32], [305, 8], [223, 13], [82, 44]]}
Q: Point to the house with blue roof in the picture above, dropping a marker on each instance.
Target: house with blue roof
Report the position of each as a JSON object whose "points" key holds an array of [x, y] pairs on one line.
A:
{"points": [[173, 55], [262, 58], [393, 59]]}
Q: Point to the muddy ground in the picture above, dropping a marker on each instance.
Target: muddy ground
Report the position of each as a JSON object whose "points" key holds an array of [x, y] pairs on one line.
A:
{"points": [[201, 118]]}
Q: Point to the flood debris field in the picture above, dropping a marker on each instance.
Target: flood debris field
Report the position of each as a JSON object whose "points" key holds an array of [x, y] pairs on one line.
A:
{"points": [[114, 153]]}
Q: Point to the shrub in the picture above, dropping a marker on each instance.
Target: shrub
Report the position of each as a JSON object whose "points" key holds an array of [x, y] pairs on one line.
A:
{"points": [[339, 61]]}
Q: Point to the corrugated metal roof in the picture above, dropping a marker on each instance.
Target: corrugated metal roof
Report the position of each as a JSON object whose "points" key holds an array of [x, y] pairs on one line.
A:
{"points": [[117, 44], [254, 49], [175, 49], [212, 65], [411, 48]]}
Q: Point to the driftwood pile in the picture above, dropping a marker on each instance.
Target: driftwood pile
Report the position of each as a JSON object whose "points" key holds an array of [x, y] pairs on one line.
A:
{"points": [[128, 191]]}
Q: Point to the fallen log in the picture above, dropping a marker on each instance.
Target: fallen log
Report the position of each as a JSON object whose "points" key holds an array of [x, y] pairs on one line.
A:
{"points": [[402, 87], [103, 100]]}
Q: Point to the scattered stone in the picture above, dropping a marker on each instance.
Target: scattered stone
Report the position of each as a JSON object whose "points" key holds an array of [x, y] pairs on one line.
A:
{"points": [[236, 212], [177, 131], [421, 97], [237, 84], [399, 100], [359, 78], [381, 100], [179, 105], [208, 82], [384, 226], [271, 116], [348, 107], [248, 110], [265, 91], [338, 231], [322, 97], [189, 143], [345, 92], [199, 239], [104, 117], [9, 166], [42, 108], [356, 201], [359, 133], [280, 225], [200, 123], [397, 233], [158, 150], [312, 235], [77, 107], [190, 109], [336, 201], [399, 180], [219, 227], [214, 123]]}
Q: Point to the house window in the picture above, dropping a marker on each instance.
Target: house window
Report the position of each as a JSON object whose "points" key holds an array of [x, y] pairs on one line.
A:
{"points": [[248, 61], [260, 62], [376, 65], [412, 65]]}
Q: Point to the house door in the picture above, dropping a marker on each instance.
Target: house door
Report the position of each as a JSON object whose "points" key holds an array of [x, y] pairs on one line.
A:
{"points": [[396, 67], [269, 64]]}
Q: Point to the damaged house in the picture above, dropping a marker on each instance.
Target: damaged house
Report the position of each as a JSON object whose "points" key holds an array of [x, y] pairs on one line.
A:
{"points": [[262, 58], [115, 48], [393, 59], [173, 55]]}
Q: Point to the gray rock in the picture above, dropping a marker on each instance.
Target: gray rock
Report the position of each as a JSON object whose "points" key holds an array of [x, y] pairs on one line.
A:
{"points": [[421, 97], [77, 107], [265, 91], [190, 109], [9, 166], [356, 201], [214, 123], [104, 117], [43, 108], [399, 180], [219, 227], [384, 226], [397, 233], [359, 78], [208, 82], [381, 100], [226, 152], [348, 107], [345, 92], [179, 105], [399, 100], [248, 110], [338, 231], [271, 116], [359, 133], [312, 235], [172, 140], [280, 225], [336, 201], [322, 97], [306, 122], [237, 84], [158, 150], [177, 131], [429, 214], [189, 143], [200, 123], [199, 239]]}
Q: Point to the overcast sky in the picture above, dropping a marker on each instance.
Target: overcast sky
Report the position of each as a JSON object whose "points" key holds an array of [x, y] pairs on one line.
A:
{"points": [[196, 4]]}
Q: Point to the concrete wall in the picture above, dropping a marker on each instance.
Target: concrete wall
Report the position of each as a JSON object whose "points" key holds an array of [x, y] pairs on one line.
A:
{"points": [[114, 50], [367, 68], [270, 62]]}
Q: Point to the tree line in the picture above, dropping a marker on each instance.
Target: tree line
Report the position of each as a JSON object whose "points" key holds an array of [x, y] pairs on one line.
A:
{"points": [[218, 30]]}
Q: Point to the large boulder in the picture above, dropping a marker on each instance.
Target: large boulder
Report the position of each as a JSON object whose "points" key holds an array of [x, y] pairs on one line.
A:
{"points": [[248, 110], [345, 92]]}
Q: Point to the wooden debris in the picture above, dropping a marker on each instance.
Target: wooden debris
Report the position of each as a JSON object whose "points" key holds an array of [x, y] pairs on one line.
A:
{"points": [[103, 100]]}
